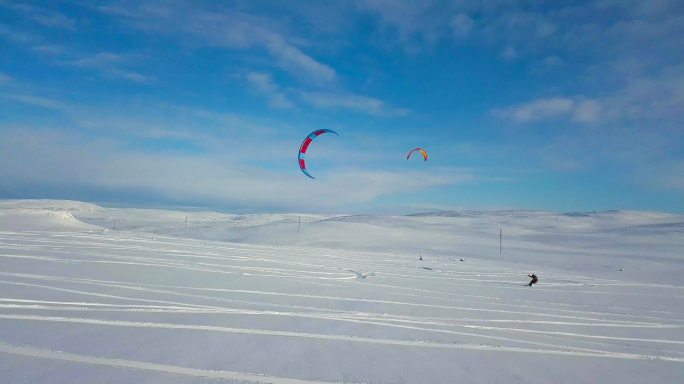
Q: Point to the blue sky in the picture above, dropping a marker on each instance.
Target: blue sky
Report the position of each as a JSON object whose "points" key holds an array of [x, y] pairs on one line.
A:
{"points": [[565, 106]]}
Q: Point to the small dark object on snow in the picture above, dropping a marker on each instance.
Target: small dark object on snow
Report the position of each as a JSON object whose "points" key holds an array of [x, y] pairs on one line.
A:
{"points": [[421, 257], [534, 279], [462, 259]]}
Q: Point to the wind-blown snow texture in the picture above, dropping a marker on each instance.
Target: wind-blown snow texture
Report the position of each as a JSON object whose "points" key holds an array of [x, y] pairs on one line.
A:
{"points": [[245, 298]]}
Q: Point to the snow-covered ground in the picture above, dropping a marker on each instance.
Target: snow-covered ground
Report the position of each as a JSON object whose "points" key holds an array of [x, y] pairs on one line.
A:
{"points": [[110, 295]]}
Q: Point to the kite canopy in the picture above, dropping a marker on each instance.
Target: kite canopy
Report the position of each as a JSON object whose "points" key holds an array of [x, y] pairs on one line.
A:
{"points": [[305, 146], [422, 151]]}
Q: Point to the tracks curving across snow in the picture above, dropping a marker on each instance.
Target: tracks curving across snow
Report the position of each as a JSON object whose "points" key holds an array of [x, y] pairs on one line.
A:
{"points": [[256, 313]]}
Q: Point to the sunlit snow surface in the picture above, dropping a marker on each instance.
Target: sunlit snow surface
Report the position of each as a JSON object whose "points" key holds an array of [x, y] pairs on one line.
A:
{"points": [[246, 298]]}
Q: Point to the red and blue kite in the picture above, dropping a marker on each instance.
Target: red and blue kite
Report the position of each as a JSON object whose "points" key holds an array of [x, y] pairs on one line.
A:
{"points": [[305, 147]]}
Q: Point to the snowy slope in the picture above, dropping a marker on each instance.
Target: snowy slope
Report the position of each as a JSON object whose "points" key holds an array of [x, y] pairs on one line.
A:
{"points": [[44, 215], [244, 298]]}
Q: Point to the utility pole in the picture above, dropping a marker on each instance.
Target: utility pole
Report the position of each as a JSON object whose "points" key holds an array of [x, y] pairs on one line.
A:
{"points": [[299, 225], [500, 235]]}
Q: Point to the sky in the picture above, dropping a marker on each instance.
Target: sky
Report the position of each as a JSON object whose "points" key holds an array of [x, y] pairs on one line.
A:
{"points": [[562, 106]]}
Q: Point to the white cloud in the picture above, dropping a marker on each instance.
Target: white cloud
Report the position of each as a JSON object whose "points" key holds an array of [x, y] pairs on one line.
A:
{"points": [[117, 10], [37, 101], [149, 120], [552, 61], [587, 111], [673, 176], [113, 65], [658, 96], [416, 25], [538, 110], [365, 104], [54, 20], [578, 110], [32, 40], [627, 41], [295, 61], [43, 16], [462, 25], [50, 159], [17, 36], [509, 53], [371, 184], [405, 17], [228, 28], [50, 49], [130, 76], [101, 60], [263, 84], [666, 175]]}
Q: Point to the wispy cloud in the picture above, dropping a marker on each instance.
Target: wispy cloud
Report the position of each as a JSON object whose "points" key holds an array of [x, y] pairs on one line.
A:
{"points": [[18, 36], [462, 25], [153, 121], [130, 76], [416, 25], [262, 83], [658, 95], [509, 53], [150, 122], [626, 40], [101, 60], [667, 175], [587, 111], [297, 62], [113, 65], [43, 16], [655, 96], [52, 159], [32, 40], [227, 28], [672, 176], [37, 101], [582, 111], [50, 49], [607, 75], [347, 101]]}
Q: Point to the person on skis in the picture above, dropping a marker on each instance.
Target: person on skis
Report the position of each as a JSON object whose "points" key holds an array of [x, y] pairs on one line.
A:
{"points": [[534, 279]]}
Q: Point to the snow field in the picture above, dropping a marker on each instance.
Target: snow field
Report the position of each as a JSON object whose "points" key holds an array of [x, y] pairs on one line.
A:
{"points": [[158, 303]]}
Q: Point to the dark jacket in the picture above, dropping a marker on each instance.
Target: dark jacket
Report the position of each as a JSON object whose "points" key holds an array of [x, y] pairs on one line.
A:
{"points": [[534, 279]]}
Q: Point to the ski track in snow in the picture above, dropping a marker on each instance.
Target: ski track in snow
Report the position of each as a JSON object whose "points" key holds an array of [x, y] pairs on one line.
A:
{"points": [[372, 294], [129, 364]]}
